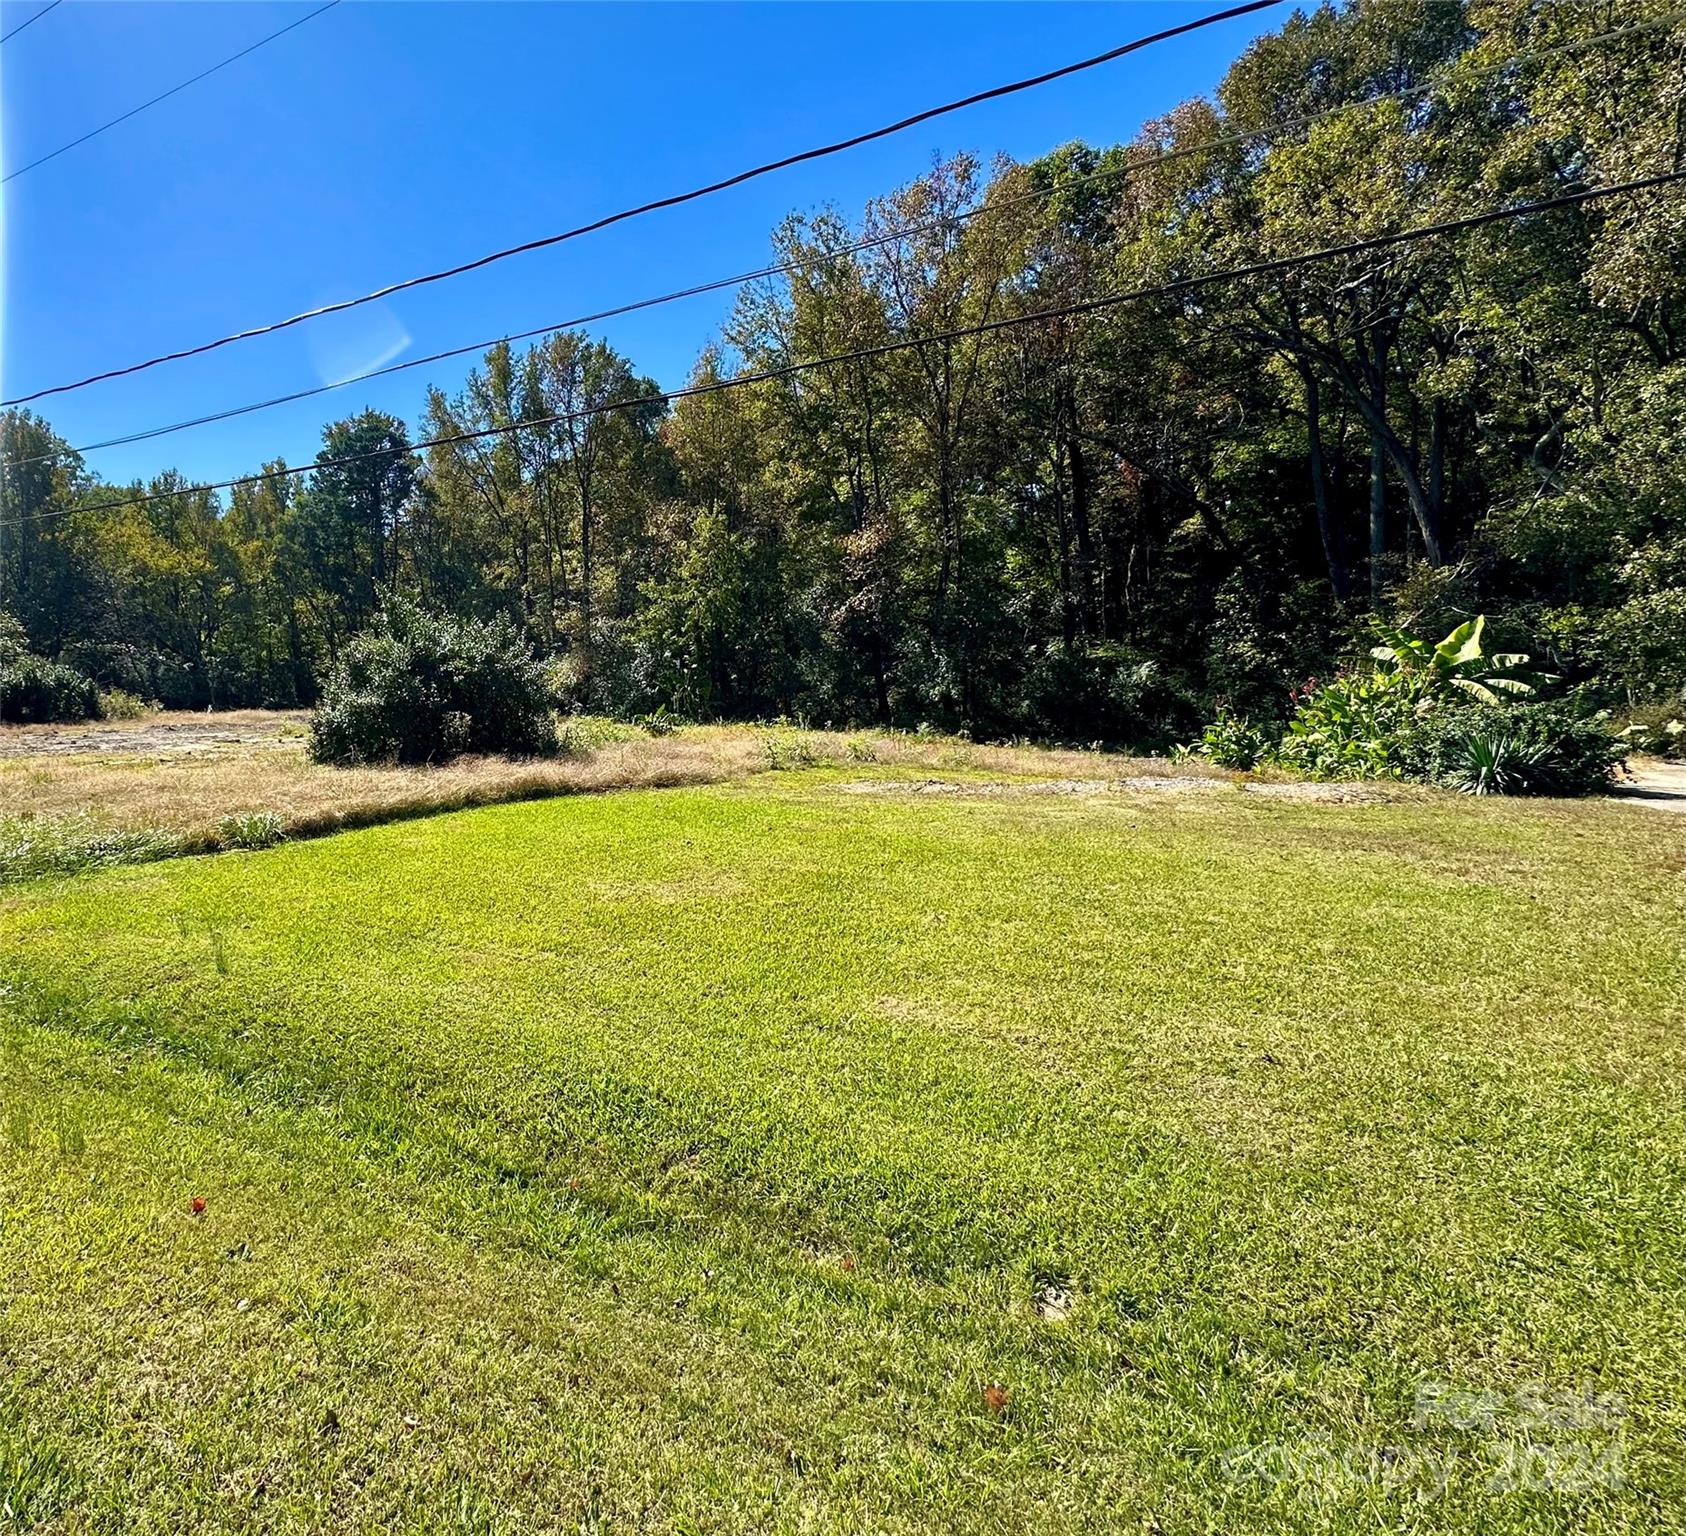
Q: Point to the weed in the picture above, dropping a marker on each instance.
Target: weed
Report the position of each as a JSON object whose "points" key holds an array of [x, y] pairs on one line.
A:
{"points": [[33, 847], [251, 830], [783, 748]]}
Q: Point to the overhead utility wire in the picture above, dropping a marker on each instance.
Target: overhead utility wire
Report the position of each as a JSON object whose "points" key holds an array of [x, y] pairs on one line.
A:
{"points": [[1105, 173], [51, 4], [786, 370], [663, 202], [136, 111]]}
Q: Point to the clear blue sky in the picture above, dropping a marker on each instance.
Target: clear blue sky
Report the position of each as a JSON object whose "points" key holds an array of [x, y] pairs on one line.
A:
{"points": [[384, 139]]}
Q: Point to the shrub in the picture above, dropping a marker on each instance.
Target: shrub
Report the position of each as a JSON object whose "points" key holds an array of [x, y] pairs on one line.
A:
{"points": [[1492, 763], [1427, 669], [119, 704], [582, 734], [1101, 689], [35, 691], [1512, 748], [1657, 729], [659, 722], [420, 687], [1232, 741], [1359, 724], [783, 748], [13, 642], [1348, 728]]}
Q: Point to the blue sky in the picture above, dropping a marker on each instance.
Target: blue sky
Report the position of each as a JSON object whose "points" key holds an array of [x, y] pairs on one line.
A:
{"points": [[385, 139]]}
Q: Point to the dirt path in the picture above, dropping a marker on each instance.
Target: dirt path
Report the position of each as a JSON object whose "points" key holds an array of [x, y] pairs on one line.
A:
{"points": [[1654, 782]]}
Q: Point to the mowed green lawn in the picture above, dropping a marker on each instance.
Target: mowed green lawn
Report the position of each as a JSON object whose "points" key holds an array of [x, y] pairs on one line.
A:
{"points": [[772, 1157]]}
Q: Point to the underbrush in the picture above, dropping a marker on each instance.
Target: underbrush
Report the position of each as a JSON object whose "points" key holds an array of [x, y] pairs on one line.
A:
{"points": [[1657, 730], [1448, 713], [34, 847], [579, 735]]}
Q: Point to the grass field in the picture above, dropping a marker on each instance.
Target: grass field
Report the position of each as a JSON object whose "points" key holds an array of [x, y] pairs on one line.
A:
{"points": [[168, 784], [771, 1156]]}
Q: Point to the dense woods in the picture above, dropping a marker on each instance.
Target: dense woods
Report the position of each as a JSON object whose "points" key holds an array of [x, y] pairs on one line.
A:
{"points": [[1099, 526]]}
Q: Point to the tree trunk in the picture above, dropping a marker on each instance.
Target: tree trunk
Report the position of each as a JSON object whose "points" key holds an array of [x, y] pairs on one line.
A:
{"points": [[1082, 527], [1320, 489], [1378, 475], [1436, 488]]}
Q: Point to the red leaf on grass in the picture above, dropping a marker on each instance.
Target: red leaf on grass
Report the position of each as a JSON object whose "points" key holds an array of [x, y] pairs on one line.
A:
{"points": [[197, 1205]]}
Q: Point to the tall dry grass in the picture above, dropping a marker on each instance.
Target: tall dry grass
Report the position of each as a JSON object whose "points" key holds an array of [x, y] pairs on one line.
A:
{"points": [[130, 783]]}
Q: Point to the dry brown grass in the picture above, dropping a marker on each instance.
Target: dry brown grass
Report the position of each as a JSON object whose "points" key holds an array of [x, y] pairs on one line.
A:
{"points": [[132, 779]]}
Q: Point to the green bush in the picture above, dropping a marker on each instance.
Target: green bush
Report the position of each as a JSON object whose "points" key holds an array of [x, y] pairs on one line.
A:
{"points": [[119, 704], [1232, 741], [782, 747], [1359, 724], [1511, 748], [1656, 729], [583, 734], [1348, 728], [36, 691], [1095, 689], [421, 687]]}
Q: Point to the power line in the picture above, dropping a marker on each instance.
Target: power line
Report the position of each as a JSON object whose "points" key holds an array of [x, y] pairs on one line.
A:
{"points": [[51, 5], [787, 370], [675, 200], [1105, 173], [135, 111]]}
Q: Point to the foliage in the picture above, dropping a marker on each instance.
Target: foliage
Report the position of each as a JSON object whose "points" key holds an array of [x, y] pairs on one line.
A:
{"points": [[659, 722], [1348, 727], [1643, 640], [783, 747], [1101, 691], [1512, 747], [250, 829], [35, 846], [1427, 670], [119, 704], [36, 691], [1491, 762], [1360, 724], [580, 734], [1657, 729], [1067, 528], [1233, 741], [423, 687]]}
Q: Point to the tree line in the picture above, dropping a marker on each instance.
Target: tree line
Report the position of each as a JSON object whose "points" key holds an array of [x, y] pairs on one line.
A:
{"points": [[1097, 526]]}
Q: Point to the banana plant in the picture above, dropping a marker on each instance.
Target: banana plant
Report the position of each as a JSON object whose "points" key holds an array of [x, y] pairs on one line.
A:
{"points": [[1426, 670]]}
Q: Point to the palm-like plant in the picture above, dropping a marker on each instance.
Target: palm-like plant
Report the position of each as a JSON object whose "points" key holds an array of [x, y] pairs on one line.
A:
{"points": [[1494, 763], [1426, 670]]}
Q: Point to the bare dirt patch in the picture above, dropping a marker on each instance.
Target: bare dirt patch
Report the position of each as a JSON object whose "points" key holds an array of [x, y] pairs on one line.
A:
{"points": [[158, 735]]}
